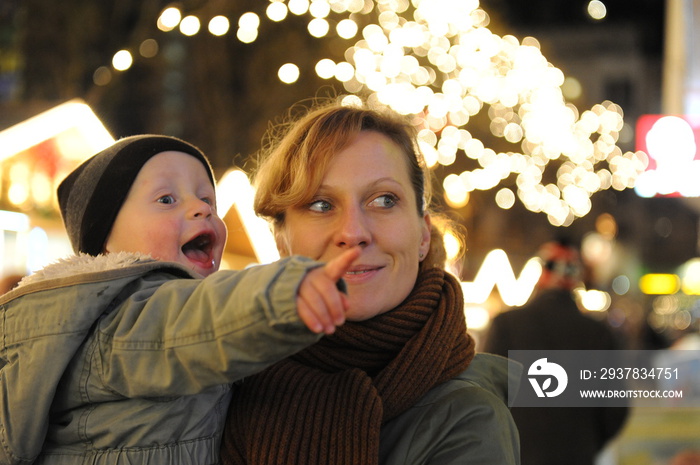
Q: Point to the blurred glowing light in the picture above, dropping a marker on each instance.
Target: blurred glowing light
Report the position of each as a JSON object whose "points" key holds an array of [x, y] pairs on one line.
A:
{"points": [[249, 20], [344, 71], [102, 76], [247, 36], [219, 25], [148, 48], [682, 320], [298, 7], [190, 25], [276, 11], [37, 249], [72, 115], [621, 285], [352, 101], [319, 8], [671, 144], [594, 300], [288, 73], [41, 189], [596, 9], [659, 284], [513, 132], [325, 68], [596, 248], [122, 60], [606, 226], [18, 193], [452, 245], [234, 190], [571, 88], [13, 221], [665, 305], [318, 27], [531, 42], [169, 19], [505, 198], [374, 35], [477, 317], [346, 28], [690, 273], [440, 62], [496, 271], [456, 193]]}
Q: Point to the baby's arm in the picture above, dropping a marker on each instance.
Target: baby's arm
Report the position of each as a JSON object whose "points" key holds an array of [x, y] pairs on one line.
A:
{"points": [[189, 334], [320, 304]]}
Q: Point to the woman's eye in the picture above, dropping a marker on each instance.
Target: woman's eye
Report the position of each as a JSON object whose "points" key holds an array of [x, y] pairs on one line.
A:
{"points": [[320, 206], [384, 201], [167, 199]]}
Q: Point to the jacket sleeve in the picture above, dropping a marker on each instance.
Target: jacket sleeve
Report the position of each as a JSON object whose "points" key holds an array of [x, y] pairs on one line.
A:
{"points": [[174, 337]]}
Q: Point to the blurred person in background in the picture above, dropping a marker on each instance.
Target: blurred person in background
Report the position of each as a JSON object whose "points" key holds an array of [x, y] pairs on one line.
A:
{"points": [[551, 320]]}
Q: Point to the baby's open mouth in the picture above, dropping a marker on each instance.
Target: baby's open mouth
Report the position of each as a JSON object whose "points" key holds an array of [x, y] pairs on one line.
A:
{"points": [[199, 249]]}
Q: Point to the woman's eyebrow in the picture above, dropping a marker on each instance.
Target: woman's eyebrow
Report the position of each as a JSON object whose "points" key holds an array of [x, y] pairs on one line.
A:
{"points": [[374, 183]]}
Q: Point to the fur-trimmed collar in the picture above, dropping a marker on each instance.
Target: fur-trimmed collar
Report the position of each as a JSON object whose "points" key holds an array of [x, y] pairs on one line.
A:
{"points": [[84, 263]]}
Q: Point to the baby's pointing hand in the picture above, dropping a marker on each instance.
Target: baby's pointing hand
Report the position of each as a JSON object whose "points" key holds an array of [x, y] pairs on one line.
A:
{"points": [[320, 304]]}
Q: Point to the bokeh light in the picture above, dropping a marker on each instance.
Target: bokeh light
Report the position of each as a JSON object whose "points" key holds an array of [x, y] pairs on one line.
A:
{"points": [[288, 73], [122, 60], [276, 11], [169, 19], [596, 9], [190, 25], [219, 25], [439, 61]]}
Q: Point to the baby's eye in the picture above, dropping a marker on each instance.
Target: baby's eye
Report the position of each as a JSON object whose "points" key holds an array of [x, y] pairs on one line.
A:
{"points": [[166, 199], [211, 202], [384, 201], [320, 206]]}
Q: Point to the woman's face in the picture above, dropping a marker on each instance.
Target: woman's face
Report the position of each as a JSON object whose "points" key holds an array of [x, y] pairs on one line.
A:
{"points": [[366, 199]]}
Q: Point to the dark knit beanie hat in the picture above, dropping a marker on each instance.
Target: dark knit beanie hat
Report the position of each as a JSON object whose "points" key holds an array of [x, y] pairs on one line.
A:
{"points": [[91, 196]]}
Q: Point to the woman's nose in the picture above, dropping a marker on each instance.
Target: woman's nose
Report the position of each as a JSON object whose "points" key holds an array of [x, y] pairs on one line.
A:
{"points": [[353, 229]]}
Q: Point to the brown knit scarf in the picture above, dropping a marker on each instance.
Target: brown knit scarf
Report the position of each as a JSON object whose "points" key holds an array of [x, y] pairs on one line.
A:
{"points": [[326, 404]]}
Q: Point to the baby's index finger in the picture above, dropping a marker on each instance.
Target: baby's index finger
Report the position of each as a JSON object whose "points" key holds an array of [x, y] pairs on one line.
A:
{"points": [[336, 268]]}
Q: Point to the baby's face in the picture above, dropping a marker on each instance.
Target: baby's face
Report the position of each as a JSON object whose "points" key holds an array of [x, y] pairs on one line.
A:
{"points": [[170, 214]]}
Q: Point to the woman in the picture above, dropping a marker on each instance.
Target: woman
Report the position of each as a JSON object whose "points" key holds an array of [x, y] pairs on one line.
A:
{"points": [[398, 383]]}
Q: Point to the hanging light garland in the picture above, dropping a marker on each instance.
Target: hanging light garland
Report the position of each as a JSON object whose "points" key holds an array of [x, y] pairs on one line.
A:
{"points": [[437, 60]]}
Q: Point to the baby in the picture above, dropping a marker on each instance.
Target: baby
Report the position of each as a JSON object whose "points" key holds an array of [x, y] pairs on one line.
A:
{"points": [[126, 352]]}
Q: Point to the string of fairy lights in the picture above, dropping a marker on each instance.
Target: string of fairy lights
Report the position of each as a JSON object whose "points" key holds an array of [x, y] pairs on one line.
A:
{"points": [[438, 60]]}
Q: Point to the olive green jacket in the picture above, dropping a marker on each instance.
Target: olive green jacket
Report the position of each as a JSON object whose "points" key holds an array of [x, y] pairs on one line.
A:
{"points": [[464, 421], [121, 359]]}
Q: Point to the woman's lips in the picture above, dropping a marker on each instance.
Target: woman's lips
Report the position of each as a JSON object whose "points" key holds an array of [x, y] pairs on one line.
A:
{"points": [[361, 274]]}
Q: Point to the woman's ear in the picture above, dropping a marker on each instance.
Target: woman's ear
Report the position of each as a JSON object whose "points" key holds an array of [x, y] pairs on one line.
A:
{"points": [[424, 247], [281, 242]]}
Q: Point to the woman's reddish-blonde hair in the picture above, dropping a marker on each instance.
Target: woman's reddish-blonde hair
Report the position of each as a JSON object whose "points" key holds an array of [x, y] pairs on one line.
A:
{"points": [[291, 169]]}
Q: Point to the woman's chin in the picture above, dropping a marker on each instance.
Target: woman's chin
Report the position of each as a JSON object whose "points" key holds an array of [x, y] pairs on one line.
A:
{"points": [[363, 311]]}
